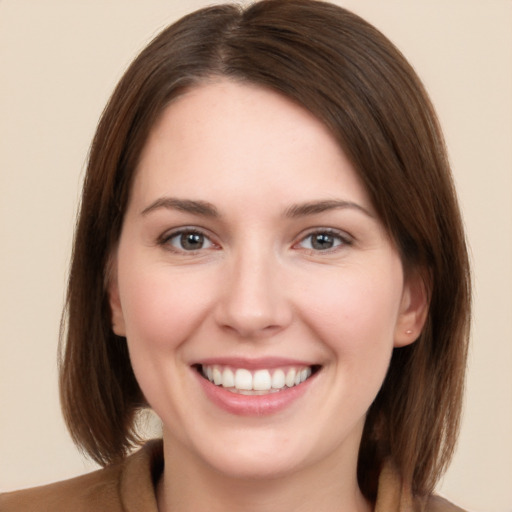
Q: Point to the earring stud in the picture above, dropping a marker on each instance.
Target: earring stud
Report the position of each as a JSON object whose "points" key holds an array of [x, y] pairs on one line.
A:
{"points": [[409, 331]]}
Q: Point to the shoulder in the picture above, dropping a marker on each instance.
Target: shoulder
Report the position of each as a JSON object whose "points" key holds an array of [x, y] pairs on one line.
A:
{"points": [[80, 494], [117, 488], [394, 495], [438, 504]]}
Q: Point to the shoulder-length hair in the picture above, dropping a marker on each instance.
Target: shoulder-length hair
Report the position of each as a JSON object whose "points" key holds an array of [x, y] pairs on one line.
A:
{"points": [[354, 80]]}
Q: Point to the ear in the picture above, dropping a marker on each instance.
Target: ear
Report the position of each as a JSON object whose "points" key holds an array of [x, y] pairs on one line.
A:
{"points": [[413, 309], [116, 311]]}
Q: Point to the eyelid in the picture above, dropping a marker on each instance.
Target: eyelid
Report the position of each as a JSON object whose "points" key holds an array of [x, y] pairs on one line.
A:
{"points": [[346, 239], [165, 238]]}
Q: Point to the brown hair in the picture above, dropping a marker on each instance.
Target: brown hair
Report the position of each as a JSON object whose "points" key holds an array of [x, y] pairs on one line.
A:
{"points": [[352, 78]]}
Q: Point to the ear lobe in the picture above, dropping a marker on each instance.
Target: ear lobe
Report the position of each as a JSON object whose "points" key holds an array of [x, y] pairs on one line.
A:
{"points": [[413, 310], [116, 311]]}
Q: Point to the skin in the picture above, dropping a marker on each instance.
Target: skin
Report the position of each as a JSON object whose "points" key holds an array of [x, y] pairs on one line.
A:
{"points": [[255, 288]]}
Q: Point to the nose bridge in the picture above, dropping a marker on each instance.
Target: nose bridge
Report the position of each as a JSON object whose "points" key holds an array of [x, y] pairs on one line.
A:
{"points": [[253, 303]]}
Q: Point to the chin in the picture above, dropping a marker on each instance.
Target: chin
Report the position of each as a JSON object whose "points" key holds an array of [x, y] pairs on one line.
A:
{"points": [[245, 453], [253, 465]]}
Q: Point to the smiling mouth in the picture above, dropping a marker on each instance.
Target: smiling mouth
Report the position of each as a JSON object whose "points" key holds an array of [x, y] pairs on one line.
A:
{"points": [[257, 382]]}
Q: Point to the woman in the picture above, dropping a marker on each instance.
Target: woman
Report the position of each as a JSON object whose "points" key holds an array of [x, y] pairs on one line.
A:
{"points": [[270, 255]]}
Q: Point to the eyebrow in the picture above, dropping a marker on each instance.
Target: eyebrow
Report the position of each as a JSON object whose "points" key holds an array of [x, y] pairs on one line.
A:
{"points": [[315, 207], [206, 209], [203, 208]]}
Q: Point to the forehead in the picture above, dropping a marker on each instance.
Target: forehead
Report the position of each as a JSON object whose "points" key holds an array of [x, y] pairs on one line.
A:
{"points": [[227, 137]]}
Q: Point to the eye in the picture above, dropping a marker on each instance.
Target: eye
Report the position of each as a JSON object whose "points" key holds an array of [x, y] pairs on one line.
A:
{"points": [[188, 240], [323, 240]]}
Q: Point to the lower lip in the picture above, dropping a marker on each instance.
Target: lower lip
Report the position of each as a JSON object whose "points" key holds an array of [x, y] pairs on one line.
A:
{"points": [[253, 405]]}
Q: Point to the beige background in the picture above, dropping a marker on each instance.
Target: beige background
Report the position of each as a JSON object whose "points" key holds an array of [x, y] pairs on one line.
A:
{"points": [[59, 60]]}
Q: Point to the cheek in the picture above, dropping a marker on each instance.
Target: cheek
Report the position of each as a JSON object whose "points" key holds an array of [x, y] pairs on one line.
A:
{"points": [[357, 308], [355, 316], [161, 307]]}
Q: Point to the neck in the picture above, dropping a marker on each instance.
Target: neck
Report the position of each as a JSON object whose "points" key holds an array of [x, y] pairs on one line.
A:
{"points": [[188, 485]]}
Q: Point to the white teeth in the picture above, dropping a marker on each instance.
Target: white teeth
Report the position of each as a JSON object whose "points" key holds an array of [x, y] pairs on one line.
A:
{"points": [[243, 379], [278, 379], [290, 378], [228, 379], [217, 377], [259, 382]]}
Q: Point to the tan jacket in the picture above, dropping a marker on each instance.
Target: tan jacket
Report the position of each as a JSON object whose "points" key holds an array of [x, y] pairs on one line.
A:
{"points": [[130, 487]]}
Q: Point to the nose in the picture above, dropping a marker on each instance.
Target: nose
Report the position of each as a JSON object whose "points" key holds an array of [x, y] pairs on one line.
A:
{"points": [[253, 303]]}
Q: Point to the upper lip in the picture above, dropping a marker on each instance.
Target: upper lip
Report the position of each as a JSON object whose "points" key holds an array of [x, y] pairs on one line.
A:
{"points": [[253, 363]]}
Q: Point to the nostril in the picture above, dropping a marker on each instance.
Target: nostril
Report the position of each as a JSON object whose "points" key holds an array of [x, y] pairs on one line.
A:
{"points": [[251, 330]]}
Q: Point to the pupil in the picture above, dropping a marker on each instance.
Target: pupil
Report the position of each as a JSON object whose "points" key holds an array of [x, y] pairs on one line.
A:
{"points": [[192, 241], [322, 241]]}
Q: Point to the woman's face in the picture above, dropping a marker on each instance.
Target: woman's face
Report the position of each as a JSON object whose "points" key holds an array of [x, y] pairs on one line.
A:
{"points": [[258, 291]]}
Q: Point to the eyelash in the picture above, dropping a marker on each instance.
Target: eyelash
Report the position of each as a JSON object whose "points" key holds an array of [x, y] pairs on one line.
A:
{"points": [[343, 239], [166, 240], [340, 239]]}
